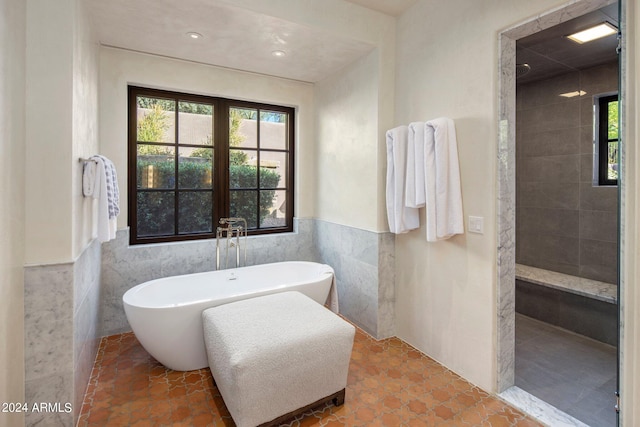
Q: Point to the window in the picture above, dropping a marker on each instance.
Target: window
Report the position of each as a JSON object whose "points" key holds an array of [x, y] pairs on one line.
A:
{"points": [[608, 139], [195, 159]]}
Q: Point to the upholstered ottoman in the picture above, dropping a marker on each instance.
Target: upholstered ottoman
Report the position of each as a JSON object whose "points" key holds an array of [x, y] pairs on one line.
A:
{"points": [[274, 356]]}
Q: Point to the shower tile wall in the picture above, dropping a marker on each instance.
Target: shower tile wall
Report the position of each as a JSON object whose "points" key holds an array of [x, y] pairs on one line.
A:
{"points": [[563, 222]]}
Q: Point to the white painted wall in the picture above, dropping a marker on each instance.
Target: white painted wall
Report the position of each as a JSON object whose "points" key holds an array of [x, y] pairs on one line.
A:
{"points": [[352, 184], [446, 291], [84, 116], [12, 155], [118, 68], [61, 103], [347, 139], [49, 131]]}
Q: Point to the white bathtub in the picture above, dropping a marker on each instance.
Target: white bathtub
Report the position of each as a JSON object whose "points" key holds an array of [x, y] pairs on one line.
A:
{"points": [[166, 314]]}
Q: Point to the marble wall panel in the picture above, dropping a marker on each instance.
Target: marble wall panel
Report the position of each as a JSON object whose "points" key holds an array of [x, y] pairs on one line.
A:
{"points": [[363, 261], [506, 215], [386, 285], [125, 266], [61, 324], [365, 272], [48, 311], [86, 319]]}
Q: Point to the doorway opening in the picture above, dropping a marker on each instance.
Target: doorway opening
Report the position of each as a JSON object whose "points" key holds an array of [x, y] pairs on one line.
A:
{"points": [[558, 222]]}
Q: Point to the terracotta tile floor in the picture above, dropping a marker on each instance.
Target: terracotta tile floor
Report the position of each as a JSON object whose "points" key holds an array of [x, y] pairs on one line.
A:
{"points": [[390, 384]]}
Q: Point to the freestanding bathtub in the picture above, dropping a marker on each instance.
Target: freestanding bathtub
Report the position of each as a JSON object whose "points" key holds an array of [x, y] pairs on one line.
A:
{"points": [[166, 314]]}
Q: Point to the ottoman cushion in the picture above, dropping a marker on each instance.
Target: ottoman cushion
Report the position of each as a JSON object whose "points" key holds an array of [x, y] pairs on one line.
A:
{"points": [[274, 354]]}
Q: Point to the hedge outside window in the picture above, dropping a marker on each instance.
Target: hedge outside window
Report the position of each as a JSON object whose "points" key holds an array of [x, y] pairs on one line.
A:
{"points": [[195, 159]]}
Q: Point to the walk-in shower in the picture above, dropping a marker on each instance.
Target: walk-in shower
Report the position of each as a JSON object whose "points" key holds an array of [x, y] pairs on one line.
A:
{"points": [[557, 223]]}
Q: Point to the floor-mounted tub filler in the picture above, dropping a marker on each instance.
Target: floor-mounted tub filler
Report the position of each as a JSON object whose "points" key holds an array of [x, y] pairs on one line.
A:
{"points": [[166, 314]]}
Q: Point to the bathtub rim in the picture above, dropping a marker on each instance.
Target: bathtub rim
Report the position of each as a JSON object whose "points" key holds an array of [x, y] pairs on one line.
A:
{"points": [[128, 296]]}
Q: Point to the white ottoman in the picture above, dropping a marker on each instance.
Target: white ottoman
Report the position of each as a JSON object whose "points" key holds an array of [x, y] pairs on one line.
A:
{"points": [[273, 357]]}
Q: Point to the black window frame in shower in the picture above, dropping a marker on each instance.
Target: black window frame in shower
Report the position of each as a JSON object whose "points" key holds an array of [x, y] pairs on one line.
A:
{"points": [[220, 189], [604, 140]]}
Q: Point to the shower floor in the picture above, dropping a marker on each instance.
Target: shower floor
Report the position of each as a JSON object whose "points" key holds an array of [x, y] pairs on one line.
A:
{"points": [[569, 371]]}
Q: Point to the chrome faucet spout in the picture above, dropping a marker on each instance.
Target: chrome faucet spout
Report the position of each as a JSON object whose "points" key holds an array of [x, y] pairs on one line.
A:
{"points": [[231, 230]]}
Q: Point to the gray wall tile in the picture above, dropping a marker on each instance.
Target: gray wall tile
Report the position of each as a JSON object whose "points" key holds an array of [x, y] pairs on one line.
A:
{"points": [[598, 225], [554, 116], [548, 195], [559, 222], [598, 260], [598, 198], [543, 142], [558, 208], [585, 316], [553, 169]]}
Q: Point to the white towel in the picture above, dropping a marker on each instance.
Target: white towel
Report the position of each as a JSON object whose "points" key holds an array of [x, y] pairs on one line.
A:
{"points": [[113, 193], [401, 218], [99, 181], [89, 178], [442, 179], [332, 298], [414, 186]]}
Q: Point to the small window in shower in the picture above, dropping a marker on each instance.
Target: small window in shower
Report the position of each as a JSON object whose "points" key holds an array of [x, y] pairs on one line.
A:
{"points": [[607, 140]]}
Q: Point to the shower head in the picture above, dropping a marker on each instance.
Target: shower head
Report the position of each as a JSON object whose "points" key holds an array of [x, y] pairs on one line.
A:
{"points": [[522, 69]]}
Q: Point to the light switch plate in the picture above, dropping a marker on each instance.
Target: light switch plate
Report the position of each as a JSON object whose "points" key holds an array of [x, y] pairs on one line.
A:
{"points": [[476, 224]]}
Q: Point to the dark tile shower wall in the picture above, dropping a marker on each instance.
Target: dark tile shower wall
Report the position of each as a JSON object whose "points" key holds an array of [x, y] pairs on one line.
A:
{"points": [[585, 316], [563, 222]]}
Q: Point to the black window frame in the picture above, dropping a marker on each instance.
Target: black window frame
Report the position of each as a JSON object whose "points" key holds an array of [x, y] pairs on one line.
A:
{"points": [[604, 140], [220, 189]]}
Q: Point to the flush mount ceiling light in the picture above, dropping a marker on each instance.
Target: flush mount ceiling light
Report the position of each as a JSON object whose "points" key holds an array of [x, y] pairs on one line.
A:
{"points": [[593, 33], [194, 35], [572, 94], [279, 53]]}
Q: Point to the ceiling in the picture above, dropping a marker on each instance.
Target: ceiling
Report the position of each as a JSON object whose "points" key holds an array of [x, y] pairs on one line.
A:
{"points": [[550, 53], [243, 39], [232, 37], [388, 7]]}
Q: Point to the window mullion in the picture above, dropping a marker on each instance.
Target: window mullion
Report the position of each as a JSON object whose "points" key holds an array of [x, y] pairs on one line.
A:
{"points": [[222, 162], [176, 208], [258, 169]]}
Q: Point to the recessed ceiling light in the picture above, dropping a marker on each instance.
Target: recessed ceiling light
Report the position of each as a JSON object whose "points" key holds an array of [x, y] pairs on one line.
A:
{"points": [[593, 33], [279, 53], [194, 35]]}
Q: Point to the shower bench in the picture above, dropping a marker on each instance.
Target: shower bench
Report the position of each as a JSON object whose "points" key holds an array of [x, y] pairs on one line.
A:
{"points": [[276, 356], [587, 307]]}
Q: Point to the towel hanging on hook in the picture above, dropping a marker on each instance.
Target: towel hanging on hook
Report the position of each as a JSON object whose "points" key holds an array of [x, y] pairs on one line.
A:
{"points": [[99, 180]]}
